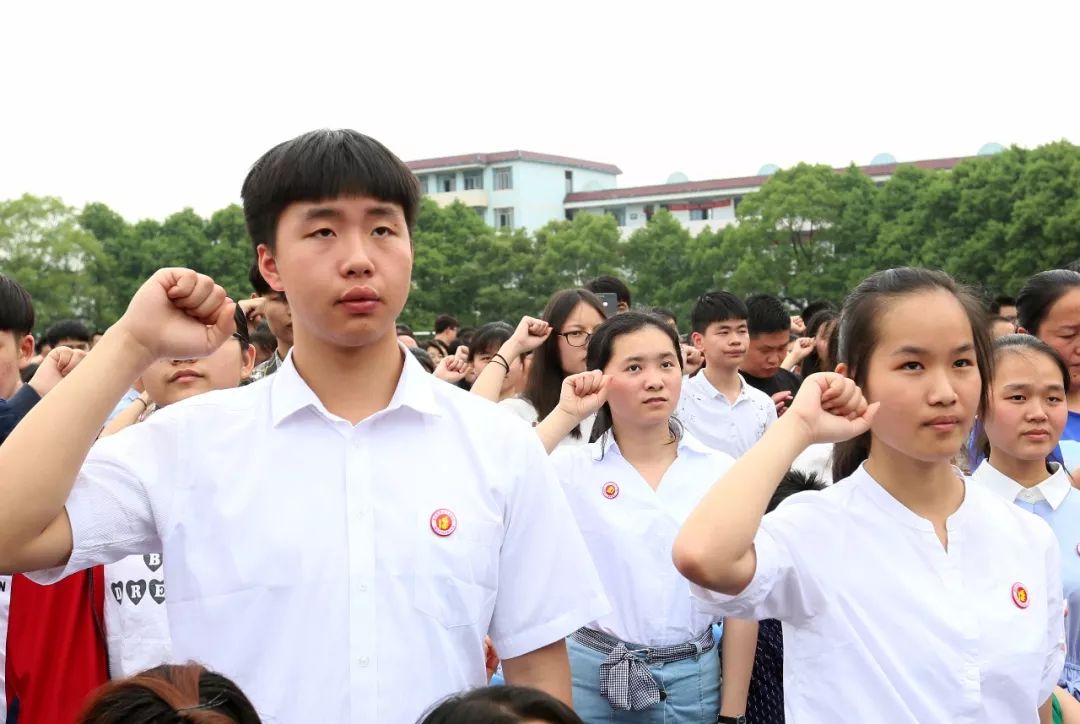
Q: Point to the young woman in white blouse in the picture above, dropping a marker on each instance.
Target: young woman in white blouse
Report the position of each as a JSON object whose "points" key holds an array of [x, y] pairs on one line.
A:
{"points": [[653, 658], [560, 340], [907, 595]]}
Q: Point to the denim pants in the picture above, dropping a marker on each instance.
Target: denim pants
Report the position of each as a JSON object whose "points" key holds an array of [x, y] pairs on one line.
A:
{"points": [[692, 688]]}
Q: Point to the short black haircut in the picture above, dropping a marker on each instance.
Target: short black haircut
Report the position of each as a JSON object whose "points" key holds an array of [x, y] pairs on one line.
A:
{"points": [[610, 285], [16, 308], [444, 322], [999, 302], [716, 307], [818, 305], [488, 338], [404, 330], [263, 338], [501, 705], [322, 165], [665, 312], [258, 284], [794, 481], [766, 314], [67, 329]]}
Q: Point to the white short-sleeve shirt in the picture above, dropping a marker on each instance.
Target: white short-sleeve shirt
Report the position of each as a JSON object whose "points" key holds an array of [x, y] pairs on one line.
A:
{"points": [[312, 562], [524, 409], [136, 621], [730, 427], [882, 624], [630, 529]]}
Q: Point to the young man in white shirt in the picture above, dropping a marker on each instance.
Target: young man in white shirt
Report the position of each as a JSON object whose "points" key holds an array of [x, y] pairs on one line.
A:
{"points": [[305, 562], [716, 405]]}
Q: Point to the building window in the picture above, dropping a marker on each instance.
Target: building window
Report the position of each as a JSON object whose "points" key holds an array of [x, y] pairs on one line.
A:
{"points": [[699, 214], [504, 179], [504, 218], [569, 182], [481, 211], [474, 181], [569, 214], [422, 182], [619, 214], [447, 184], [649, 213]]}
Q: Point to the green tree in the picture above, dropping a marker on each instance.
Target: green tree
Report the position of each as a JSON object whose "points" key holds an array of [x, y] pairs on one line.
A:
{"points": [[658, 259], [570, 253]]}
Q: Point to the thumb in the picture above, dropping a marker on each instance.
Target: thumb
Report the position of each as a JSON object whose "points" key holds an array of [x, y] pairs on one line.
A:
{"points": [[224, 324], [862, 424]]}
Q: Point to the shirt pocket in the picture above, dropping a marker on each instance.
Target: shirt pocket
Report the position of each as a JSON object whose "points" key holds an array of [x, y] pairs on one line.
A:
{"points": [[456, 574]]}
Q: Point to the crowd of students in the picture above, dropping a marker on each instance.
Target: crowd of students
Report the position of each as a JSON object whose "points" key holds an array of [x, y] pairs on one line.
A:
{"points": [[863, 512]]}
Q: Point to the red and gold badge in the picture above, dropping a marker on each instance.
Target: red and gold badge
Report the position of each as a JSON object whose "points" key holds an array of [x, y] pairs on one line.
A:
{"points": [[611, 490], [1020, 595], [443, 522]]}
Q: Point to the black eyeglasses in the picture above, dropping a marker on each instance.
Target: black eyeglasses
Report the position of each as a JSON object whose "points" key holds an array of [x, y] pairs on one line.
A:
{"points": [[577, 338]]}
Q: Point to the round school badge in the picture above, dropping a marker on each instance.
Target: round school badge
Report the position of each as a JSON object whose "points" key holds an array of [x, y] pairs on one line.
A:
{"points": [[1020, 595], [443, 522], [611, 491]]}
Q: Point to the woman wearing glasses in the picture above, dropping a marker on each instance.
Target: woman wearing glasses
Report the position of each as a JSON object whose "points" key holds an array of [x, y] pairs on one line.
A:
{"points": [[560, 339]]}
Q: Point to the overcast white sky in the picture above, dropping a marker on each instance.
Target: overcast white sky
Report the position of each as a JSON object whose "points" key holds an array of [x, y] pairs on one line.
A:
{"points": [[151, 107]]}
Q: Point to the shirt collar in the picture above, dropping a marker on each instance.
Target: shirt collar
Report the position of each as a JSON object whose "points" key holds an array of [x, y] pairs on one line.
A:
{"points": [[709, 390], [687, 442], [1053, 489], [900, 512], [290, 393]]}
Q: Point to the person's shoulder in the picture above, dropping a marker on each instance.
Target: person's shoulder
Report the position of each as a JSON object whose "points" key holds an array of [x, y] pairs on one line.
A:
{"points": [[756, 395], [479, 415], [994, 513], [214, 404]]}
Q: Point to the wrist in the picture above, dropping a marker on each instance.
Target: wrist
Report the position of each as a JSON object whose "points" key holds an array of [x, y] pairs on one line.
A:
{"points": [[731, 719], [510, 349], [796, 434], [126, 345]]}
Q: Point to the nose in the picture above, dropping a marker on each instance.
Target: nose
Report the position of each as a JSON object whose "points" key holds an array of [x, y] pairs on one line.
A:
{"points": [[1037, 412], [942, 393], [356, 261]]}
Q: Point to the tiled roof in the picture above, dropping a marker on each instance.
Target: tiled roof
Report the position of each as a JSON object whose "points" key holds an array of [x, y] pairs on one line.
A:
{"points": [[486, 159], [725, 184]]}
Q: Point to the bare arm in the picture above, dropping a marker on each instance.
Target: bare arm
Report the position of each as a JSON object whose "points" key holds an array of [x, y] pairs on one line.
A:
{"points": [[581, 395], [738, 648], [715, 547], [546, 669], [529, 335], [127, 417], [171, 316]]}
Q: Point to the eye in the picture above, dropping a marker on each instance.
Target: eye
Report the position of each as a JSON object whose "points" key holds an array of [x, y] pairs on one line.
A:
{"points": [[323, 233], [382, 231], [667, 364], [911, 366], [1054, 400], [1016, 398], [964, 363], [633, 368]]}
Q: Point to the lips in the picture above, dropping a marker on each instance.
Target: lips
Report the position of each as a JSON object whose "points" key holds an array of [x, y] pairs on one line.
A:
{"points": [[1037, 435], [359, 300], [185, 375], [655, 400], [943, 424]]}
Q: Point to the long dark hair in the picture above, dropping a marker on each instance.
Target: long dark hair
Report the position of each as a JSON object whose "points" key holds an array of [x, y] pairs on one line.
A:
{"points": [[1039, 294], [546, 375], [501, 705], [170, 694], [1018, 343], [603, 343], [859, 333]]}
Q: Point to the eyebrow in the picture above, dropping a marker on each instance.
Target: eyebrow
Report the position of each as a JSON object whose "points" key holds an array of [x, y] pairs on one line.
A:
{"points": [[642, 358], [383, 211], [1028, 386], [912, 349], [322, 212]]}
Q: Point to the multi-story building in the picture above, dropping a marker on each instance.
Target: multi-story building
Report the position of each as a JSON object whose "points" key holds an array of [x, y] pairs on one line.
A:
{"points": [[521, 189], [512, 189]]}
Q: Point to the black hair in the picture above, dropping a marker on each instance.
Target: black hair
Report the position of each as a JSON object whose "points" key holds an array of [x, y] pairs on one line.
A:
{"points": [[501, 705], [16, 308], [601, 346], [610, 285], [258, 283], [544, 384], [67, 329], [1018, 343], [665, 313], [170, 694], [999, 302], [766, 314], [1039, 294], [794, 481], [321, 165], [28, 371], [859, 333], [263, 338], [813, 362], [717, 307], [437, 343], [444, 322], [403, 329], [818, 305], [241, 328], [423, 358], [488, 338]]}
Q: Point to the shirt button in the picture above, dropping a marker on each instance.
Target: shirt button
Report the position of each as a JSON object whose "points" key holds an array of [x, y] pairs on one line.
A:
{"points": [[362, 588], [363, 661]]}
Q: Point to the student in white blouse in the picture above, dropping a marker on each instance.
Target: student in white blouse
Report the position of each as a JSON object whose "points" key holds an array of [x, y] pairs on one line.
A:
{"points": [[652, 658], [717, 405], [1018, 435], [906, 595], [560, 339], [305, 561]]}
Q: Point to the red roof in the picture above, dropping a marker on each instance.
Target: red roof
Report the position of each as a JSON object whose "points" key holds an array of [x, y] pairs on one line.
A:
{"points": [[486, 159], [726, 184]]}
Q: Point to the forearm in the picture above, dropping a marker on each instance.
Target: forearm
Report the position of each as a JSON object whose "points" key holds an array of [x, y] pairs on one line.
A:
{"points": [[1046, 711], [126, 418], [546, 669], [554, 428], [738, 648], [43, 455], [714, 548]]}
